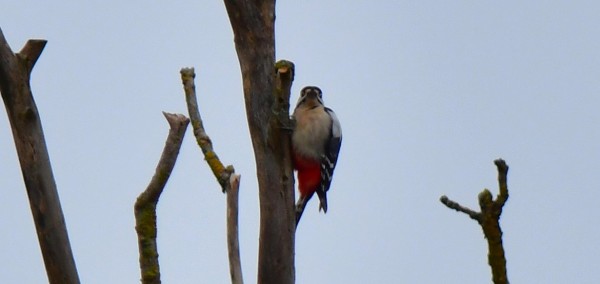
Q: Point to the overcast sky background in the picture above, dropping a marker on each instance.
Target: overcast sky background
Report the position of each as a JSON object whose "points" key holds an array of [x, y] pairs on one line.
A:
{"points": [[429, 93]]}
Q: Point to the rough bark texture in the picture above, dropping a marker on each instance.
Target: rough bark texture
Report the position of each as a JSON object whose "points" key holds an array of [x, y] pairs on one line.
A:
{"points": [[489, 219], [15, 71], [253, 27], [226, 176], [285, 71], [145, 205]]}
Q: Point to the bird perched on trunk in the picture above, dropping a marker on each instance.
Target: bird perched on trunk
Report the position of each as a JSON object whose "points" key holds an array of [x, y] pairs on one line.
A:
{"points": [[316, 142]]}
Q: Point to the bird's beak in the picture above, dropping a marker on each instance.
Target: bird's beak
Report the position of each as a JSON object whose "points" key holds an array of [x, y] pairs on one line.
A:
{"points": [[312, 94]]}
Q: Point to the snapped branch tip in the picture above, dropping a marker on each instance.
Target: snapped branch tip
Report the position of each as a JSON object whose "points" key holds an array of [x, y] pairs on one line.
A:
{"points": [[285, 67], [444, 199], [188, 72], [176, 119], [284, 64], [485, 198], [501, 165]]}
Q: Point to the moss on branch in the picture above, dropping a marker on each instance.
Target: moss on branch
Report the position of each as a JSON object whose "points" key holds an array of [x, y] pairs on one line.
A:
{"points": [[221, 172], [489, 219], [226, 176], [145, 205]]}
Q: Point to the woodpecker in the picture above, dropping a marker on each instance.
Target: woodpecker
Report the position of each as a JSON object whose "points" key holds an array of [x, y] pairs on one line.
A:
{"points": [[316, 142]]}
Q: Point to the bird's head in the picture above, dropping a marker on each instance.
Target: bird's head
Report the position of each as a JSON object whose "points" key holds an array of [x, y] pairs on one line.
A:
{"points": [[310, 97]]}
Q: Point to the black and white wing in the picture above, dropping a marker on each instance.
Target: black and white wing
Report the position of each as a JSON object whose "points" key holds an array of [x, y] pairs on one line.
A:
{"points": [[329, 158]]}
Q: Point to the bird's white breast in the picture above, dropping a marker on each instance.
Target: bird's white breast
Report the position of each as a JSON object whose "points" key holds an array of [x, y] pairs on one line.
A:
{"points": [[312, 131]]}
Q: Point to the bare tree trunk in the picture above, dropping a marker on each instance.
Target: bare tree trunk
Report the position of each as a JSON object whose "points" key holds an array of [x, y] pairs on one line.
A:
{"points": [[15, 71], [253, 27]]}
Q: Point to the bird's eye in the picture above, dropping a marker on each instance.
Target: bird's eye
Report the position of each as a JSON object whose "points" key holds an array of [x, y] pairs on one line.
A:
{"points": [[305, 91]]}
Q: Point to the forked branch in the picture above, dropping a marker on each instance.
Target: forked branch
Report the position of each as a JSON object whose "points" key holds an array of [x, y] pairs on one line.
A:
{"points": [[26, 125], [226, 176], [145, 205], [489, 219]]}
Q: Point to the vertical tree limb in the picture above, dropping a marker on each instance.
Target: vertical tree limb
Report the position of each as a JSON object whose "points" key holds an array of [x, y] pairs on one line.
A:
{"points": [[226, 176], [233, 243], [145, 205], [285, 71], [15, 72], [489, 219], [253, 24]]}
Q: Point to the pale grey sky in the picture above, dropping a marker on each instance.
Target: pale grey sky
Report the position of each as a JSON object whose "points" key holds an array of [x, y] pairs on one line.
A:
{"points": [[429, 93]]}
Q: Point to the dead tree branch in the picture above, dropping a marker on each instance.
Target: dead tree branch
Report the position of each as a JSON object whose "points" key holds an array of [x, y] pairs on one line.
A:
{"points": [[233, 243], [253, 25], [285, 71], [489, 219], [15, 72], [221, 172], [226, 176], [145, 205]]}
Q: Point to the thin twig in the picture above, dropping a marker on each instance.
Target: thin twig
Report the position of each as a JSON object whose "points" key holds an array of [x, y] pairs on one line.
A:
{"points": [[502, 173], [454, 205], [221, 172], [145, 205], [233, 243]]}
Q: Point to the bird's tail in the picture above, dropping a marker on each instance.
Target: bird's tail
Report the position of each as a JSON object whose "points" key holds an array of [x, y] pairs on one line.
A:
{"points": [[323, 200]]}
